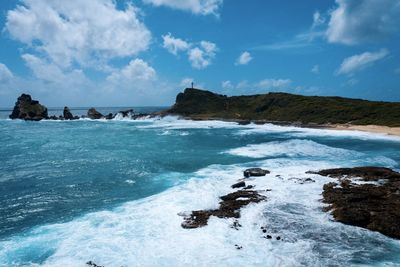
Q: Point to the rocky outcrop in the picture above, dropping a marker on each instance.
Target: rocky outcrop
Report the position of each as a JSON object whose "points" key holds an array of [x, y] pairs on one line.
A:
{"points": [[229, 208], [94, 114], [67, 114], [27, 109], [255, 172], [284, 108], [367, 197]]}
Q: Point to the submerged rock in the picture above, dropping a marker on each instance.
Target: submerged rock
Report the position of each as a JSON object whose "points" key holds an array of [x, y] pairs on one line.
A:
{"points": [[255, 172], [373, 204], [94, 114], [27, 109], [67, 114], [239, 184], [229, 208]]}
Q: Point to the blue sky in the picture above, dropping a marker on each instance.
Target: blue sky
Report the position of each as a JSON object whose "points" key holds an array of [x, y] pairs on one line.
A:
{"points": [[143, 52]]}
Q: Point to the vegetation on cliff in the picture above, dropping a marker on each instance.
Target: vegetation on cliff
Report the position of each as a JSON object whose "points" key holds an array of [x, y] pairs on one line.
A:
{"points": [[284, 107]]}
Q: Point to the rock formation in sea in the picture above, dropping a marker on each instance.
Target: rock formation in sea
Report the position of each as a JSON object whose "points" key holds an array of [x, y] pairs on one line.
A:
{"points": [[367, 197], [67, 114], [94, 114], [27, 109]]}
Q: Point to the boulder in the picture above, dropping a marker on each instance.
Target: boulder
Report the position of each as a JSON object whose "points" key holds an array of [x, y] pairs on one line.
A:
{"points": [[94, 114], [27, 109], [255, 172], [110, 116], [239, 184], [126, 113], [67, 114], [373, 204]]}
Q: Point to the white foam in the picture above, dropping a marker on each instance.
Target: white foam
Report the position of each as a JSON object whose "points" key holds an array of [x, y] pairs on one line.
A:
{"points": [[147, 232]]}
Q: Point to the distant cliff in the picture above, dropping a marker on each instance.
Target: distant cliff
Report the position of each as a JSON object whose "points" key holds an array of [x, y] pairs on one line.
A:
{"points": [[283, 107]]}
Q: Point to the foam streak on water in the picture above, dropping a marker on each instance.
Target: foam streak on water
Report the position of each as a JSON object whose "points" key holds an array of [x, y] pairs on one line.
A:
{"points": [[191, 164]]}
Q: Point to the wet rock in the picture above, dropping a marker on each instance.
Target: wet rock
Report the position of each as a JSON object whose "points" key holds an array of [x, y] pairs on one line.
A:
{"points": [[278, 238], [91, 263], [229, 208], [248, 187], [27, 109], [374, 204], [255, 172], [53, 117], [94, 114], [110, 116], [236, 225], [239, 184], [126, 113], [67, 114], [268, 237], [238, 247]]}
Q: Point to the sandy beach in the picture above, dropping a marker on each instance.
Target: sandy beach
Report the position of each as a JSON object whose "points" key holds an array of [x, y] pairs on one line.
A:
{"points": [[368, 128]]}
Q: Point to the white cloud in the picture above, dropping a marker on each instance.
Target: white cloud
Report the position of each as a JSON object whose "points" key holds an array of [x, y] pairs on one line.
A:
{"points": [[198, 7], [51, 72], [5, 74], [244, 58], [186, 82], [358, 21], [200, 54], [318, 20], [359, 62], [174, 45], [76, 31], [136, 70], [227, 85], [315, 69], [201, 57], [273, 83]]}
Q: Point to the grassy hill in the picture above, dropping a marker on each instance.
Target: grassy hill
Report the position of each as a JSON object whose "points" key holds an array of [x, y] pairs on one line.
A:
{"points": [[283, 107]]}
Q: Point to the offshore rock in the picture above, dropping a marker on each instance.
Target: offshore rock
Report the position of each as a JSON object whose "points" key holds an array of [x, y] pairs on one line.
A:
{"points": [[229, 208], [374, 204], [255, 172], [27, 109], [67, 114], [94, 114]]}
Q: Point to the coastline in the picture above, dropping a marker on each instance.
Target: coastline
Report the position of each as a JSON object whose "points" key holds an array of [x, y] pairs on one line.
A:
{"points": [[394, 131]]}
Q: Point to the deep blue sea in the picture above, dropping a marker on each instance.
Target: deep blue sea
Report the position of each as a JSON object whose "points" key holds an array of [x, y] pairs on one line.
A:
{"points": [[112, 192]]}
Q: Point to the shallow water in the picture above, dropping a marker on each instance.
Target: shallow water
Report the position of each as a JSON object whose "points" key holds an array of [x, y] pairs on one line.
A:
{"points": [[110, 192]]}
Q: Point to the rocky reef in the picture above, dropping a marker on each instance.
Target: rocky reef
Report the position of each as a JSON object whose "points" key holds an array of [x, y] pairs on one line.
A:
{"points": [[230, 204], [284, 108], [27, 109], [367, 197]]}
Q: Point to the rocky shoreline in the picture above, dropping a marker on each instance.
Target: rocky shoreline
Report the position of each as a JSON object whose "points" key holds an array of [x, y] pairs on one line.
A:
{"points": [[31, 110]]}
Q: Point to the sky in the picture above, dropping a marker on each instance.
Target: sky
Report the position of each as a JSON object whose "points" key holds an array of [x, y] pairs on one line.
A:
{"points": [[143, 52]]}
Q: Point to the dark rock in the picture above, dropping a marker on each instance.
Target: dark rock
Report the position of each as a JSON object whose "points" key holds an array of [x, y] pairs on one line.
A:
{"points": [[255, 172], [110, 116], [239, 184], [244, 122], [27, 109], [248, 187], [53, 117], [67, 114], [374, 206], [264, 230], [91, 263], [236, 225], [76, 117], [278, 238], [94, 114], [126, 113], [238, 247], [269, 237], [229, 208]]}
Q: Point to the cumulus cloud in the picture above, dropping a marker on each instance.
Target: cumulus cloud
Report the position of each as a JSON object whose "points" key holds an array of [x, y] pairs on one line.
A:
{"points": [[200, 54], [136, 70], [359, 62], [227, 85], [198, 7], [273, 83], [201, 57], [174, 45], [244, 58], [318, 20], [5, 74], [354, 22], [315, 69], [76, 31]]}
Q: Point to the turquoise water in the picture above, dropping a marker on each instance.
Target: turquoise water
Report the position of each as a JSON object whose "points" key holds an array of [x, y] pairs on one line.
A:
{"points": [[110, 192]]}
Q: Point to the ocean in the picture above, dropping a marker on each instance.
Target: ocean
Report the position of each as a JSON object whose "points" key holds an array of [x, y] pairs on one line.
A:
{"points": [[111, 192]]}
